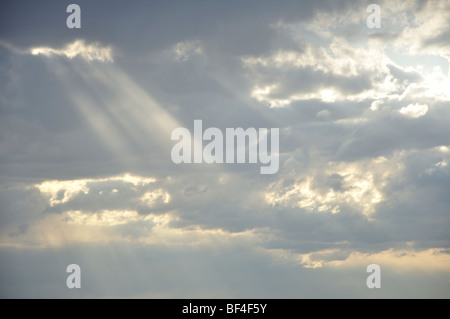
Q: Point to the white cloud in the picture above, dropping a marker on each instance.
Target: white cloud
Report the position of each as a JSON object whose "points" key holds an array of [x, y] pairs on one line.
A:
{"points": [[59, 192], [103, 218], [184, 50], [156, 196], [414, 110], [427, 32], [358, 185], [88, 52], [339, 70]]}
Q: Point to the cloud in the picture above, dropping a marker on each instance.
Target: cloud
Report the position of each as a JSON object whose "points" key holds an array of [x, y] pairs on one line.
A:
{"points": [[86, 174], [331, 188], [183, 50], [89, 52], [426, 32], [414, 110]]}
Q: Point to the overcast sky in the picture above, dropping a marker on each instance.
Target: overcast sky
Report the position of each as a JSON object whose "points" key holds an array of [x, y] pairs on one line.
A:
{"points": [[86, 176]]}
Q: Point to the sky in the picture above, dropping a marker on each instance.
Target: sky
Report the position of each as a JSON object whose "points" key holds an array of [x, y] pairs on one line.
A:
{"points": [[86, 175]]}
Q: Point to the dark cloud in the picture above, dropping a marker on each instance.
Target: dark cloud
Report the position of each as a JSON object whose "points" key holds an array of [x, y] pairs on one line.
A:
{"points": [[394, 132], [356, 174], [118, 271]]}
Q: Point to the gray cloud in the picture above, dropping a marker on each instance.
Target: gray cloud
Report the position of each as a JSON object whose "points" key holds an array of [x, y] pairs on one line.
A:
{"points": [[85, 150]]}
